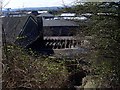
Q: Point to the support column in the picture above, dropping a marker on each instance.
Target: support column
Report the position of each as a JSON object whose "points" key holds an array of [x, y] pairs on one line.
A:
{"points": [[72, 45], [77, 43], [69, 43], [65, 43], [53, 45], [57, 44]]}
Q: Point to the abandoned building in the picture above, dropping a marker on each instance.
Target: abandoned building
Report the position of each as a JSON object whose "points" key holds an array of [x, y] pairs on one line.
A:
{"points": [[59, 27], [43, 36], [59, 33], [21, 30]]}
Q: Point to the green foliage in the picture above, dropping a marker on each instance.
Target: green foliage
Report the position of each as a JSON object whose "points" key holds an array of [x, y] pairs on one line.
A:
{"points": [[23, 70], [105, 30]]}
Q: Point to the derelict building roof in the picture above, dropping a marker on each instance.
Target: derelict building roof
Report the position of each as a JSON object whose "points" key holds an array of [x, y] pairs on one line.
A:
{"points": [[52, 22], [22, 30], [12, 27]]}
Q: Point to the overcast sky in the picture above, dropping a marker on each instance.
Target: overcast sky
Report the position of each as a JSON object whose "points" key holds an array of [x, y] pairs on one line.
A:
{"points": [[36, 3]]}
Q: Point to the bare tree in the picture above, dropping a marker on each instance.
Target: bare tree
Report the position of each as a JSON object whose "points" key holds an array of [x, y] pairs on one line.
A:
{"points": [[3, 4]]}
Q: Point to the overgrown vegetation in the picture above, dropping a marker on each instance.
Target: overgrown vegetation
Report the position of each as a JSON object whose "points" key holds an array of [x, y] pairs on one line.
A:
{"points": [[106, 35], [23, 70], [104, 29]]}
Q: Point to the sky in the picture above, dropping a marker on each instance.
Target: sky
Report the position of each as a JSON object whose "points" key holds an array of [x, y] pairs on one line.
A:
{"points": [[42, 3], [35, 3]]}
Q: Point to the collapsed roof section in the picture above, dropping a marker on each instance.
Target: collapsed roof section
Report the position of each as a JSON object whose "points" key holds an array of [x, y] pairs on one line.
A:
{"points": [[22, 30]]}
